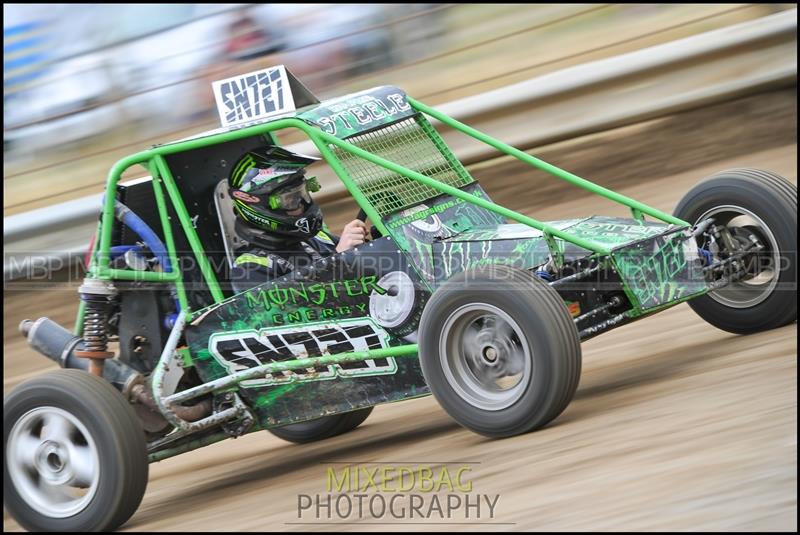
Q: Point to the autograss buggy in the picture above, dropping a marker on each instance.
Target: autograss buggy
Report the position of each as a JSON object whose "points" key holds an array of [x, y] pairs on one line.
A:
{"points": [[479, 305]]}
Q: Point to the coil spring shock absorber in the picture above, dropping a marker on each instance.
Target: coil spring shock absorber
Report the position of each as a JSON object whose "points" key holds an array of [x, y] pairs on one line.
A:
{"points": [[97, 296]]}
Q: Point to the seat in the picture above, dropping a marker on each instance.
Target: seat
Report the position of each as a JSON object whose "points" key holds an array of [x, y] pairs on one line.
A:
{"points": [[227, 221]]}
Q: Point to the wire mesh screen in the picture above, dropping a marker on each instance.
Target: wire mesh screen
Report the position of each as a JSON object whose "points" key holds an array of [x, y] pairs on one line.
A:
{"points": [[412, 143]]}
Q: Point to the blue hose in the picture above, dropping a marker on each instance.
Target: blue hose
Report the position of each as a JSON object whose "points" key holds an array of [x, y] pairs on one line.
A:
{"points": [[708, 259], [150, 238], [119, 250]]}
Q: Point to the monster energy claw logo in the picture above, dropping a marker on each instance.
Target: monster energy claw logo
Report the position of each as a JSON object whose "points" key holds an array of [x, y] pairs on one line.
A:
{"points": [[662, 270]]}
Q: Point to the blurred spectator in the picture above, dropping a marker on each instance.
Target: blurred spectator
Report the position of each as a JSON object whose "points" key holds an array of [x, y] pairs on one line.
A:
{"points": [[247, 39], [313, 52]]}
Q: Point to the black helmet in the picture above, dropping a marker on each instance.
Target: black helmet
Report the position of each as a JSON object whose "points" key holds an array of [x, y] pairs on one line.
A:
{"points": [[268, 183]]}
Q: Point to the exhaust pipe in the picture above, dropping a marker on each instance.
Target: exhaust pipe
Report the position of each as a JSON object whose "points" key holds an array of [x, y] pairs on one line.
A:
{"points": [[60, 345]]}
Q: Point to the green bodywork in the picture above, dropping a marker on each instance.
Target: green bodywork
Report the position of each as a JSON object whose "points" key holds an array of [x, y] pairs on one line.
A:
{"points": [[435, 219], [330, 310]]}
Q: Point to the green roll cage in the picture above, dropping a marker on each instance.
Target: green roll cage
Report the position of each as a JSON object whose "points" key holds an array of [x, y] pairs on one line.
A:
{"points": [[154, 160]]}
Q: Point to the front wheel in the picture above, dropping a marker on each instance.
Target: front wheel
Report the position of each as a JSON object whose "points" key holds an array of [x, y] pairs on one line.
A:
{"points": [[75, 454], [499, 350], [752, 205]]}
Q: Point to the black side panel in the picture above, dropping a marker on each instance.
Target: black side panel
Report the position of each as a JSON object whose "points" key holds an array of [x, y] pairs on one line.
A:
{"points": [[196, 174], [141, 333]]}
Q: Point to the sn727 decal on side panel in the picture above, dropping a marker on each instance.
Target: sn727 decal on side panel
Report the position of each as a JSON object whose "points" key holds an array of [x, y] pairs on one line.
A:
{"points": [[241, 350]]}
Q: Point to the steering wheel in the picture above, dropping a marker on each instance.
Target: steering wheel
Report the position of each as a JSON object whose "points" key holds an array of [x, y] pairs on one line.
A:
{"points": [[373, 231]]}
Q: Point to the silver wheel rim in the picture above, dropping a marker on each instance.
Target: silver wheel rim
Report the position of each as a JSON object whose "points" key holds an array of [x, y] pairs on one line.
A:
{"points": [[53, 462], [750, 292], [485, 356]]}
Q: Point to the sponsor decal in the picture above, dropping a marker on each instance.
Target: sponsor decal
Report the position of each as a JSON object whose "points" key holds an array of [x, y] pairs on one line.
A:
{"points": [[661, 270], [574, 308], [315, 294], [242, 196], [359, 112], [374, 110], [253, 96], [242, 350], [270, 172], [302, 224], [423, 212]]}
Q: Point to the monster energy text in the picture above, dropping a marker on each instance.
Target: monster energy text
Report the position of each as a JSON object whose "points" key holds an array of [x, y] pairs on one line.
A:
{"points": [[317, 293]]}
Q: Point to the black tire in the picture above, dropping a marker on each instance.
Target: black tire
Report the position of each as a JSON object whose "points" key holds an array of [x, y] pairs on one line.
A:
{"points": [[321, 428], [553, 350], [112, 425], [774, 200]]}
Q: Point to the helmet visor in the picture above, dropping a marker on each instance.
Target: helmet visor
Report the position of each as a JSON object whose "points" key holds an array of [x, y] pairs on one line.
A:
{"points": [[290, 198]]}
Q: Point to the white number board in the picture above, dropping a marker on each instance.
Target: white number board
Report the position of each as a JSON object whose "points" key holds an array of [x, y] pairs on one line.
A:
{"points": [[250, 97]]}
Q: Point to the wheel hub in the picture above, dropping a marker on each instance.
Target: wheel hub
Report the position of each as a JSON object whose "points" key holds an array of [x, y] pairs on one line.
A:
{"points": [[497, 353], [761, 282], [485, 356], [490, 355], [52, 462]]}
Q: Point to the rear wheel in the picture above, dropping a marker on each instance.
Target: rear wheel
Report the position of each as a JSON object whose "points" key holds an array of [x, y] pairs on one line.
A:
{"points": [[321, 428], [499, 350], [751, 204], [75, 454]]}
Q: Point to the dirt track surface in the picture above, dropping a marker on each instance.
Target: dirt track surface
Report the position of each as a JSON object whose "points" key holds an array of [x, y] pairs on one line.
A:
{"points": [[675, 426]]}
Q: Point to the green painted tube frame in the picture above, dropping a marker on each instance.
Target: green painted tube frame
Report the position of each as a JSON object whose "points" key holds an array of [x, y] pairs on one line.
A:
{"points": [[166, 228], [636, 207], [295, 364], [154, 160]]}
